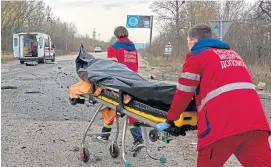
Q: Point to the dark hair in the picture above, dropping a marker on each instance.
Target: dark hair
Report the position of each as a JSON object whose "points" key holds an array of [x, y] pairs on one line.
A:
{"points": [[121, 32], [200, 31]]}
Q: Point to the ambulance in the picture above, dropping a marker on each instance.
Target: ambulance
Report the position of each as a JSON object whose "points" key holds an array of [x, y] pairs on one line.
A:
{"points": [[33, 46]]}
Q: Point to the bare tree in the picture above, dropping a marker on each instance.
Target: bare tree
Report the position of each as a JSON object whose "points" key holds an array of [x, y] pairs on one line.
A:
{"points": [[176, 17], [265, 7], [25, 16], [249, 34]]}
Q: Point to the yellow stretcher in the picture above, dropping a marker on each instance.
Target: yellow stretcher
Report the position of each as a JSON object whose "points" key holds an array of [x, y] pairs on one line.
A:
{"points": [[124, 105]]}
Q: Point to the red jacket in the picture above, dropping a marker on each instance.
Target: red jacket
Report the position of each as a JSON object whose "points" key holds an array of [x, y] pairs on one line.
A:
{"points": [[125, 52], [227, 101]]}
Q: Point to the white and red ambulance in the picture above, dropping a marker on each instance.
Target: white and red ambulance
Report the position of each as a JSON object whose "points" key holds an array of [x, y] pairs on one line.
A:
{"points": [[33, 46]]}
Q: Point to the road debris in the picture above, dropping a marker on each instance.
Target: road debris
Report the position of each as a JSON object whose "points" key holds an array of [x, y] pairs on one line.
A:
{"points": [[75, 149], [8, 87], [31, 63], [27, 92], [62, 140]]}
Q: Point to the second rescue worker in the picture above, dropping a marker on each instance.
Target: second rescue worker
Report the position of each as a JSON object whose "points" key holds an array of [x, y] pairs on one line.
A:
{"points": [[231, 119], [124, 52]]}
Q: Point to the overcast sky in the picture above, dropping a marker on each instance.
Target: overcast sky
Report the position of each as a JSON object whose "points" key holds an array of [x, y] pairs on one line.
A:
{"points": [[103, 15]]}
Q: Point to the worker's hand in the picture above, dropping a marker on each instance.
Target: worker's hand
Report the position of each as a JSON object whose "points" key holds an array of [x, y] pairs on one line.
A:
{"points": [[162, 126]]}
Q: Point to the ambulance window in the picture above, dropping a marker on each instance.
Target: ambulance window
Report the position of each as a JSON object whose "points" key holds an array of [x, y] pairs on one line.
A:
{"points": [[15, 42], [41, 42], [46, 42]]}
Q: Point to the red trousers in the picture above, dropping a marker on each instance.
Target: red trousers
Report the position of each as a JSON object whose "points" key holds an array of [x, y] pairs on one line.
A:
{"points": [[251, 148]]}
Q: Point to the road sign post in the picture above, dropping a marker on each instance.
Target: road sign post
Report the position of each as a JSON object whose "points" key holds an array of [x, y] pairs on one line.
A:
{"points": [[220, 27], [138, 21], [168, 50], [151, 30]]}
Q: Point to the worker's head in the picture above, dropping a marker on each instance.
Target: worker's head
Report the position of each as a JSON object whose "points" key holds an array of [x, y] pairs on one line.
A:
{"points": [[121, 32], [198, 32]]}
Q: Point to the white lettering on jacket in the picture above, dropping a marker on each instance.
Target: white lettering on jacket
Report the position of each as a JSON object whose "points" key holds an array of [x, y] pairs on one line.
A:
{"points": [[229, 58], [130, 56]]}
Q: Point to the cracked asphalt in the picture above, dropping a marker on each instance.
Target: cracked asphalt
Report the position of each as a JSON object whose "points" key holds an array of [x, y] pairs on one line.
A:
{"points": [[40, 128]]}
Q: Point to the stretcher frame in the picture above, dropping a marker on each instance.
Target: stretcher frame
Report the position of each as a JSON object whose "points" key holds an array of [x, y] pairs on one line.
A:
{"points": [[114, 148], [121, 112]]}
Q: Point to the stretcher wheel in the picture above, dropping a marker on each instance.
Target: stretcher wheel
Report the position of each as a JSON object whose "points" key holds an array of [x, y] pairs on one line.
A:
{"points": [[153, 135], [85, 155], [127, 164], [163, 160], [114, 150], [73, 101]]}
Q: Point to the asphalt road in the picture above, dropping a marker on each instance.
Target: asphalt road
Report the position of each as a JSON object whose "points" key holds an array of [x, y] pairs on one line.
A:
{"points": [[41, 128]]}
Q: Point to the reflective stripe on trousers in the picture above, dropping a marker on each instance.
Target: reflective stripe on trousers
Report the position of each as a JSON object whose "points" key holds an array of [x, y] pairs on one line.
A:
{"points": [[225, 88]]}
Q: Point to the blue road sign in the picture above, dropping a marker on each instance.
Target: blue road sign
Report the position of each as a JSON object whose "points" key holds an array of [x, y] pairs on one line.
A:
{"points": [[132, 21], [136, 21]]}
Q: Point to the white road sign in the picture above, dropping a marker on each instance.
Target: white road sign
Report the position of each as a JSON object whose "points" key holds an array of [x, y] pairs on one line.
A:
{"points": [[220, 28], [168, 49]]}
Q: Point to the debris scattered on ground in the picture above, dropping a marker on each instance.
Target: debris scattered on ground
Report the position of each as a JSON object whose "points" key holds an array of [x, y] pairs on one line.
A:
{"points": [[117, 162], [32, 92], [75, 149], [4, 115], [193, 143], [8, 87], [31, 63], [62, 140], [261, 85], [96, 158], [159, 148]]}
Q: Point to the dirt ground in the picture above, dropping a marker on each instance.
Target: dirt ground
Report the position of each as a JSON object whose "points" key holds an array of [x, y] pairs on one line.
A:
{"points": [[40, 128]]}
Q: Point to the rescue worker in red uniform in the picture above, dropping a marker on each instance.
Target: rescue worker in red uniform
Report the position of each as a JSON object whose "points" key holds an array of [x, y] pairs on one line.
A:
{"points": [[231, 119], [124, 52]]}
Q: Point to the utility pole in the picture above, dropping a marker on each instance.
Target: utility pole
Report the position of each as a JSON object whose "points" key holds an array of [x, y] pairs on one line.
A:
{"points": [[49, 22], [99, 37], [151, 28], [227, 10], [178, 24], [94, 35]]}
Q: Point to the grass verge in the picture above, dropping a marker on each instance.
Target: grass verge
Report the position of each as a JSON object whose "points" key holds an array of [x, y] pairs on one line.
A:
{"points": [[6, 56]]}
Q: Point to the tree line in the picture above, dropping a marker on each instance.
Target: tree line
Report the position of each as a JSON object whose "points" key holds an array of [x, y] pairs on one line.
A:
{"points": [[249, 34], [36, 16]]}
